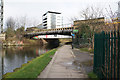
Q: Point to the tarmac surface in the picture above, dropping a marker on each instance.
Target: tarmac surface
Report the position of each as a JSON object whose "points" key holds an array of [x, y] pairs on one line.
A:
{"points": [[62, 65], [84, 60]]}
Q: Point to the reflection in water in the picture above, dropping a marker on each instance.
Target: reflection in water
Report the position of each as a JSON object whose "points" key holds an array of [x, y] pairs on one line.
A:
{"points": [[13, 57]]}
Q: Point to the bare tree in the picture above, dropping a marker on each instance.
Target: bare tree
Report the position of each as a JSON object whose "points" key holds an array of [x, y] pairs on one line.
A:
{"points": [[21, 21], [15, 27], [73, 18], [24, 21], [111, 17], [111, 14], [10, 23], [91, 12]]}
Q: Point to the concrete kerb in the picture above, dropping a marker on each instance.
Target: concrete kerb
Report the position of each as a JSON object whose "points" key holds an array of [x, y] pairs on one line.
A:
{"points": [[48, 67], [53, 59], [73, 54]]}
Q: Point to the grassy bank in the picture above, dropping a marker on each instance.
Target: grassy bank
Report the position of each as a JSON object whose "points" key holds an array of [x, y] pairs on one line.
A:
{"points": [[23, 42], [65, 40], [33, 68], [87, 50], [92, 76]]}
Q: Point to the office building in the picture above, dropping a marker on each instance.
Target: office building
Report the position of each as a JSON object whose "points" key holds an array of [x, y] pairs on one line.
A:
{"points": [[52, 20]]}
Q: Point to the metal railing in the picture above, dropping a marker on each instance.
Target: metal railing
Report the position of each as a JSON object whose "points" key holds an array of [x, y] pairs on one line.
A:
{"points": [[107, 54]]}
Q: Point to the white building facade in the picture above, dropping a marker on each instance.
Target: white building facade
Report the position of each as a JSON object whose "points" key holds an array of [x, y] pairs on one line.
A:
{"points": [[52, 20]]}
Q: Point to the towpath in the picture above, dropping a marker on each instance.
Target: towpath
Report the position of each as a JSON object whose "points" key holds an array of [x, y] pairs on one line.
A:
{"points": [[61, 66]]}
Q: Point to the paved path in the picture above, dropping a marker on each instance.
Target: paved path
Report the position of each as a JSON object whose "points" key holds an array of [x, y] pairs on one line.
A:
{"points": [[61, 65], [84, 59]]}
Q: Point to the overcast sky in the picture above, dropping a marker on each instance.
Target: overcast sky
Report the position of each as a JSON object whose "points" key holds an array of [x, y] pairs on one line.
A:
{"points": [[34, 9]]}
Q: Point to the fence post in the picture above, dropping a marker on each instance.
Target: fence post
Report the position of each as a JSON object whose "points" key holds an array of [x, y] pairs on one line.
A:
{"points": [[103, 62], [114, 54], [95, 43], [118, 57], [111, 54], [105, 55], [99, 53]]}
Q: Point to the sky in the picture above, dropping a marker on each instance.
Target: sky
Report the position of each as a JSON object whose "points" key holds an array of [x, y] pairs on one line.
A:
{"points": [[34, 9]]}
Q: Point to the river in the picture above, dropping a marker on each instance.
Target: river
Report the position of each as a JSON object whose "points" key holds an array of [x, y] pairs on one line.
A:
{"points": [[13, 57]]}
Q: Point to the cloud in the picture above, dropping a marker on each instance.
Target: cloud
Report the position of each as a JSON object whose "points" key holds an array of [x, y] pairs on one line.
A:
{"points": [[52, 1], [36, 8]]}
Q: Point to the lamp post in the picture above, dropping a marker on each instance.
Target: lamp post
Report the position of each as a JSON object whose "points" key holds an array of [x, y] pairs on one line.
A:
{"points": [[73, 35], [1, 20], [72, 39]]}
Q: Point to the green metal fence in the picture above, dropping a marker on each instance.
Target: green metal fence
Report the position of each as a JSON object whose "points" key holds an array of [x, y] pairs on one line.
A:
{"points": [[107, 54]]}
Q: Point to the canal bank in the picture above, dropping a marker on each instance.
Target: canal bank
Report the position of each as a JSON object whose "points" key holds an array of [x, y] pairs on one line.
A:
{"points": [[62, 65], [12, 57], [32, 68]]}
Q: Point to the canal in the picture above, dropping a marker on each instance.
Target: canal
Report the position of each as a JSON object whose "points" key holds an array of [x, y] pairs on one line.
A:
{"points": [[13, 57]]}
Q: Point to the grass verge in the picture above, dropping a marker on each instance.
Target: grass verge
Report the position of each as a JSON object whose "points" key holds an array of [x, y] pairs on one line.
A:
{"points": [[87, 50], [33, 68], [92, 76]]}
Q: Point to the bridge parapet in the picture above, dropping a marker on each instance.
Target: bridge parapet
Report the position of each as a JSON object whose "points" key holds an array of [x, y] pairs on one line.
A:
{"points": [[57, 29]]}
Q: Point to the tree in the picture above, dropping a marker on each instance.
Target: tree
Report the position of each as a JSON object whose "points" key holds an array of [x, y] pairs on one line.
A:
{"points": [[72, 19], [10, 24], [111, 18], [24, 21], [87, 29], [110, 14], [19, 32], [91, 13], [21, 22], [84, 34], [84, 31]]}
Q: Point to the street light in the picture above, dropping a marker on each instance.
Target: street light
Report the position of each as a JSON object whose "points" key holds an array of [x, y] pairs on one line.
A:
{"points": [[1, 20]]}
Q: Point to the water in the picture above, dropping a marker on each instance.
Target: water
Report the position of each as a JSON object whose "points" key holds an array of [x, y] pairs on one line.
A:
{"points": [[13, 57]]}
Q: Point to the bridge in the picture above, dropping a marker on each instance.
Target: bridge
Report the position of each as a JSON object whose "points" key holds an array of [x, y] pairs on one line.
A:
{"points": [[64, 32], [51, 33]]}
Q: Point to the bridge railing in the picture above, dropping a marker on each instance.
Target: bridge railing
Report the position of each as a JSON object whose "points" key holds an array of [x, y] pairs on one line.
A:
{"points": [[57, 29]]}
